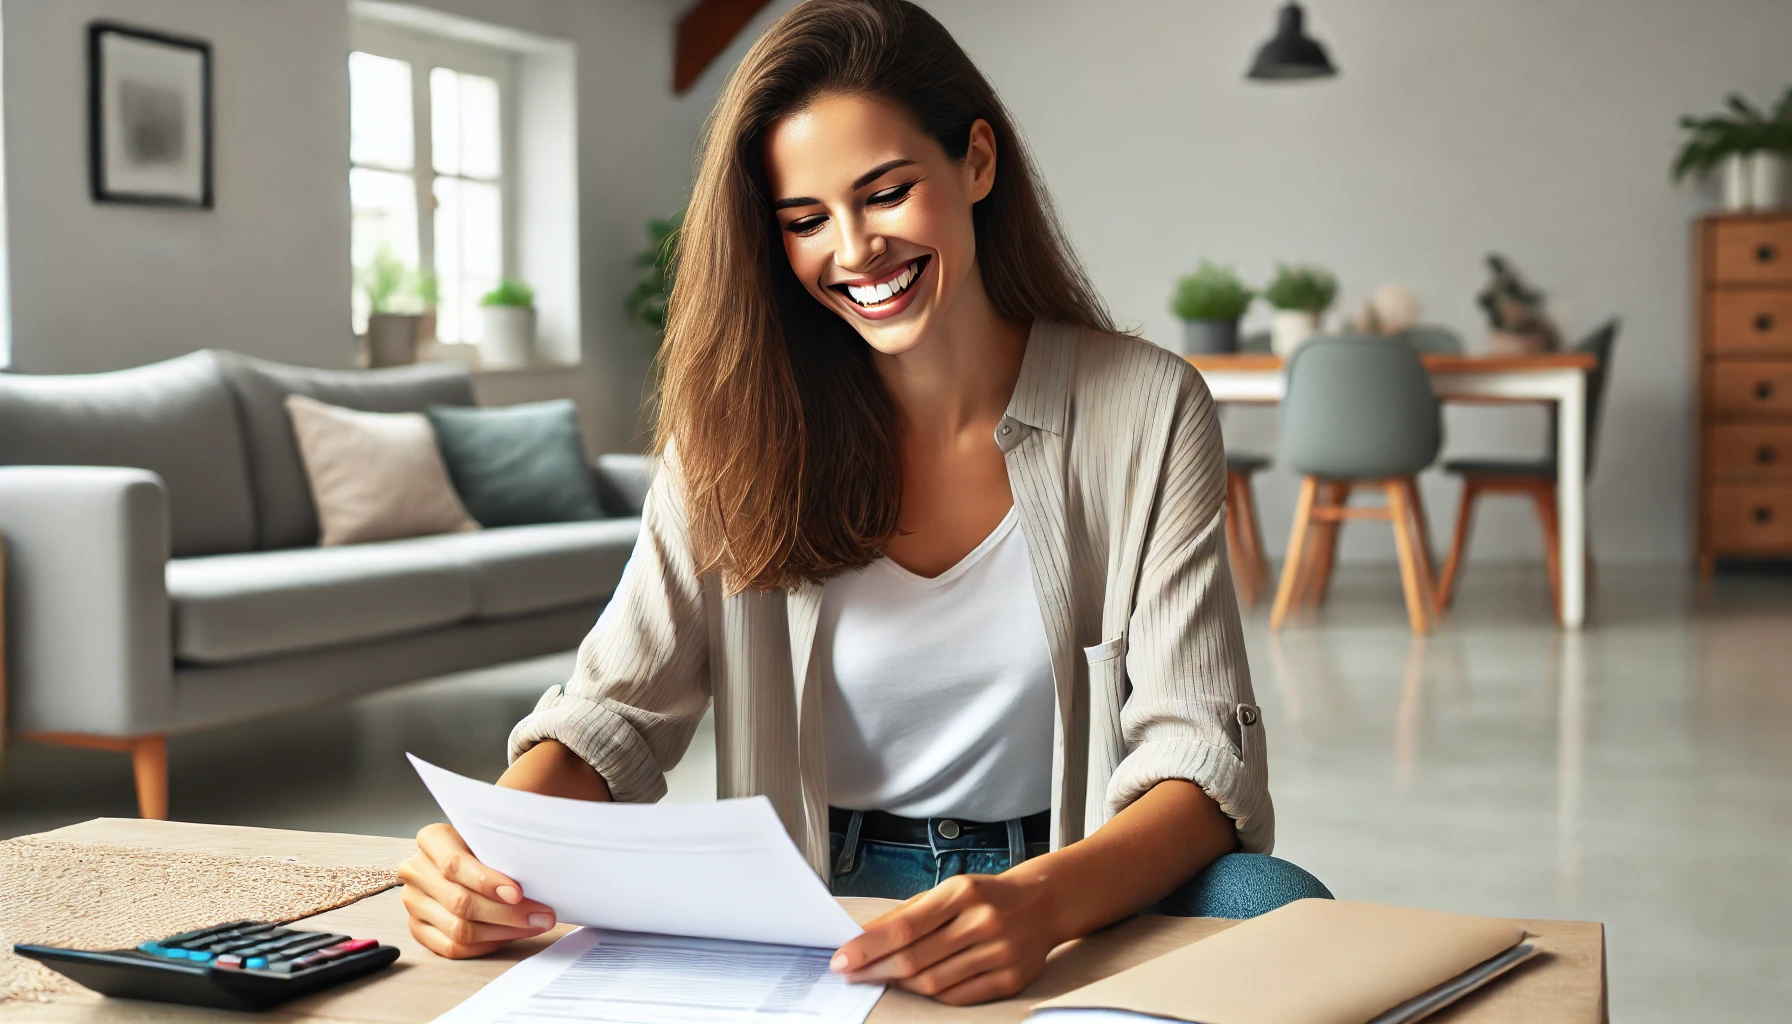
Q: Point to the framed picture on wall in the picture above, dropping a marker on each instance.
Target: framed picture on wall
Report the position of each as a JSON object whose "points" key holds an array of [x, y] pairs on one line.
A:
{"points": [[149, 114]]}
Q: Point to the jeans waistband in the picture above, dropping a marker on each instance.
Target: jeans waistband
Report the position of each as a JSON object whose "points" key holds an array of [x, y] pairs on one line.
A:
{"points": [[935, 834]]}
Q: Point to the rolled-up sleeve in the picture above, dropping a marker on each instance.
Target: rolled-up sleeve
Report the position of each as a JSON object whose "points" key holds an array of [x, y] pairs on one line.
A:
{"points": [[1190, 713], [641, 684]]}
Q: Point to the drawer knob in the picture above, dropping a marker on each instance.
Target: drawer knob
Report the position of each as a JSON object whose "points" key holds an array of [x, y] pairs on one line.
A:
{"points": [[1765, 253], [1764, 322], [1763, 515], [1766, 455], [1763, 389]]}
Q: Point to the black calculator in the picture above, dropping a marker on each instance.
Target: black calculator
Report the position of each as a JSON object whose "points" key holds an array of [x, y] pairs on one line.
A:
{"points": [[243, 965]]}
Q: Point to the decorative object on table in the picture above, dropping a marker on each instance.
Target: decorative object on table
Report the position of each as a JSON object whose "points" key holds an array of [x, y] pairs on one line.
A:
{"points": [[1390, 310], [149, 117], [509, 314], [518, 465], [1518, 318], [1300, 295], [1744, 429], [397, 297], [1291, 54], [1751, 147], [374, 475], [1209, 303], [655, 268]]}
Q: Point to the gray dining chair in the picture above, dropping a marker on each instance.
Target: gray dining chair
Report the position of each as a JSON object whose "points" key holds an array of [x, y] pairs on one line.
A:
{"points": [[1429, 339], [1533, 478], [1358, 412]]}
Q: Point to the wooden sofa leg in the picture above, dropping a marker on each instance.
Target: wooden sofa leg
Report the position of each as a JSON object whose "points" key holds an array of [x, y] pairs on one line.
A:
{"points": [[149, 761]]}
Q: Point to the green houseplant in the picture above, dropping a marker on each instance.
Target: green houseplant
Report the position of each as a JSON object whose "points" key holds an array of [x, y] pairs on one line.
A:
{"points": [[1748, 143], [1209, 303], [508, 312], [655, 268], [1301, 293], [398, 297]]}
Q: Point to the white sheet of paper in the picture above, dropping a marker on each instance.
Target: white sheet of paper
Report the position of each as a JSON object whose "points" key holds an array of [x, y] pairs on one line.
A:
{"points": [[595, 975], [722, 870]]}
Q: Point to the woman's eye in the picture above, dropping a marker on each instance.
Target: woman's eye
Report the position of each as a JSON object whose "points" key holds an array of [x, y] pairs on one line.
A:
{"points": [[805, 225], [892, 195]]}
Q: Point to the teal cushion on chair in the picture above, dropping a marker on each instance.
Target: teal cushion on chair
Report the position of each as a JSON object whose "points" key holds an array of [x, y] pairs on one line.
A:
{"points": [[518, 465]]}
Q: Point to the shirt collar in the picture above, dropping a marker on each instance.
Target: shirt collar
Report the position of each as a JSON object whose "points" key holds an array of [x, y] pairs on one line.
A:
{"points": [[1041, 397]]}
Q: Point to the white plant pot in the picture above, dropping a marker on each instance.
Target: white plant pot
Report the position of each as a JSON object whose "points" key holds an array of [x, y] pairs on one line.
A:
{"points": [[1739, 182], [1767, 180], [509, 336], [1289, 328], [392, 339]]}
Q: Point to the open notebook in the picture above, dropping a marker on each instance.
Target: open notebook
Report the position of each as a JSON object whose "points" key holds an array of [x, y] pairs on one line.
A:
{"points": [[1310, 962]]}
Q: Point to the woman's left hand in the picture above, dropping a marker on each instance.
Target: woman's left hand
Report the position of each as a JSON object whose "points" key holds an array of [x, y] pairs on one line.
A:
{"points": [[969, 939]]}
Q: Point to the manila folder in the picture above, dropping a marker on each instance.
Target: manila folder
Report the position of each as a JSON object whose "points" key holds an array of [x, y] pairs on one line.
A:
{"points": [[1311, 962]]}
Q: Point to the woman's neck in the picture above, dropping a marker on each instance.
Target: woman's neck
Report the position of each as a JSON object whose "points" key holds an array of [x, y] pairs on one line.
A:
{"points": [[962, 376]]}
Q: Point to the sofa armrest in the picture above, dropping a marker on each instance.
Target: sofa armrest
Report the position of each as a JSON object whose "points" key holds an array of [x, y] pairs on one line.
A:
{"points": [[88, 634], [622, 482]]}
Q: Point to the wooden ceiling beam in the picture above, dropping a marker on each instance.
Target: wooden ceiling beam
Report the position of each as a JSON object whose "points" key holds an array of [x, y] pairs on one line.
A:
{"points": [[704, 32]]}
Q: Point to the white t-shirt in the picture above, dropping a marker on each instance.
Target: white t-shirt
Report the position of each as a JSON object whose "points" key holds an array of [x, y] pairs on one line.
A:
{"points": [[938, 697]]}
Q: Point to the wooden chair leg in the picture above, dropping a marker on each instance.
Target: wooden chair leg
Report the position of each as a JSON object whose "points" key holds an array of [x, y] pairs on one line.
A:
{"points": [[1465, 512], [1325, 547], [1250, 538], [1544, 497], [1241, 569], [149, 762], [1407, 544], [1291, 564], [1415, 505]]}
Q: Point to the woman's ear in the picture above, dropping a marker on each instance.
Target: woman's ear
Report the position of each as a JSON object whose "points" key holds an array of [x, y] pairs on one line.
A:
{"points": [[980, 160]]}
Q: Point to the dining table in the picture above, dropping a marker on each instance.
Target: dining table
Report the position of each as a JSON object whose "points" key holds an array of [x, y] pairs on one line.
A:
{"points": [[1554, 378]]}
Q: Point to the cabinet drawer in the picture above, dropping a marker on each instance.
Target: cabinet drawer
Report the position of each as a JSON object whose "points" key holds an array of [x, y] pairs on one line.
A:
{"points": [[1751, 321], [1750, 519], [1751, 251], [1751, 388], [1750, 450]]}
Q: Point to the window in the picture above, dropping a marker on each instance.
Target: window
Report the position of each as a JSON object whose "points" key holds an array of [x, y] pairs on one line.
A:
{"points": [[427, 178]]}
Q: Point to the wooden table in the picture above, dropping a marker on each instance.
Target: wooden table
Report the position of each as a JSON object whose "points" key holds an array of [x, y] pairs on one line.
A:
{"points": [[1555, 377], [1568, 986]]}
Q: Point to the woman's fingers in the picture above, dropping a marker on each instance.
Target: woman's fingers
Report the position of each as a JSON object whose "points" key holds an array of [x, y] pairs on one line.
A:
{"points": [[968, 927], [465, 933], [433, 940], [997, 984], [448, 852], [976, 957], [902, 925], [459, 901]]}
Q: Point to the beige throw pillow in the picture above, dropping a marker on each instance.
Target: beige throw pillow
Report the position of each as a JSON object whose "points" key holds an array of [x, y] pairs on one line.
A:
{"points": [[374, 475]]}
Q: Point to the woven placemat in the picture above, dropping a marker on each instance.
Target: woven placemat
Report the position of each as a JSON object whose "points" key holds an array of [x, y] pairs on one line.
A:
{"points": [[99, 896]]}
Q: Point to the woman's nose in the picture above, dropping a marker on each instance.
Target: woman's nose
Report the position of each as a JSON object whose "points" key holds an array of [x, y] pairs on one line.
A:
{"points": [[859, 249]]}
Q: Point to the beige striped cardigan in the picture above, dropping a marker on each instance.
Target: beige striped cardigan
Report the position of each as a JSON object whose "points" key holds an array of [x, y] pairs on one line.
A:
{"points": [[1114, 456]]}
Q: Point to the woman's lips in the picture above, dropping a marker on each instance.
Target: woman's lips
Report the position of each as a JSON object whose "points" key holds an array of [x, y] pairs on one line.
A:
{"points": [[895, 305]]}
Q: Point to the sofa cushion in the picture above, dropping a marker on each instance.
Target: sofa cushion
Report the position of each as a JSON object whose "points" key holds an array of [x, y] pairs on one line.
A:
{"points": [[518, 465], [518, 570], [374, 475], [234, 607], [175, 419], [284, 513]]}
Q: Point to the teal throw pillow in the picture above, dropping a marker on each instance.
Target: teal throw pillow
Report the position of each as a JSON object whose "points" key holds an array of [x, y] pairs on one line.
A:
{"points": [[518, 464]]}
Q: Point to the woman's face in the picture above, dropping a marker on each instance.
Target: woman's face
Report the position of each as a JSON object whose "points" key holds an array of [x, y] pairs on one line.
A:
{"points": [[875, 216]]}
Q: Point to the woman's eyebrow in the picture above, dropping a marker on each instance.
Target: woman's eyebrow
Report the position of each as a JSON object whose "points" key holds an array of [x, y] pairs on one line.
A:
{"points": [[858, 183]]}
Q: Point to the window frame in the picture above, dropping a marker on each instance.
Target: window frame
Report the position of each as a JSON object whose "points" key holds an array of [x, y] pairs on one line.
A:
{"points": [[424, 52]]}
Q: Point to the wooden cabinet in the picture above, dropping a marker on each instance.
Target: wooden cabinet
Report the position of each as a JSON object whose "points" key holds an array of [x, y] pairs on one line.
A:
{"points": [[1745, 387]]}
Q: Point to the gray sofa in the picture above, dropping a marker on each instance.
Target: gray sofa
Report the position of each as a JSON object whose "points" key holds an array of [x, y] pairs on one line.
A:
{"points": [[163, 573]]}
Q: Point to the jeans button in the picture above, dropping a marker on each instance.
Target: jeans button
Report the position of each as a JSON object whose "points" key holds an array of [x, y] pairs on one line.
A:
{"points": [[948, 829]]}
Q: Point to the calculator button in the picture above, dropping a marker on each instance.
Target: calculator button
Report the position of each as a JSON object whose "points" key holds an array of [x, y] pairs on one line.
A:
{"points": [[175, 953], [256, 963], [353, 946], [199, 956], [185, 937], [152, 948], [229, 960]]}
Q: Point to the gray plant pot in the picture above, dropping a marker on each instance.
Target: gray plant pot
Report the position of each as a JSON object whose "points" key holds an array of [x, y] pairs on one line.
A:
{"points": [[392, 339], [1209, 337]]}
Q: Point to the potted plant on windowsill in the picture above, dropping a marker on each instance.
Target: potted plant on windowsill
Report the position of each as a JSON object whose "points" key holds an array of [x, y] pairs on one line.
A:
{"points": [[509, 314], [1300, 294], [1209, 303], [1750, 146], [398, 296]]}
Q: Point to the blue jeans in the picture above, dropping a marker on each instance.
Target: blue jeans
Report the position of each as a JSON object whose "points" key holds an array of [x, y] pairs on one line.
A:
{"points": [[1237, 885]]}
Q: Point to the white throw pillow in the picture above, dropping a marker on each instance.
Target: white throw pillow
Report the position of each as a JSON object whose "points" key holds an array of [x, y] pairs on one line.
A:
{"points": [[374, 475]]}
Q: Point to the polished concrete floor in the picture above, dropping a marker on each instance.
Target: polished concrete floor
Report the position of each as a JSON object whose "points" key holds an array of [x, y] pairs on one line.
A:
{"points": [[1638, 773]]}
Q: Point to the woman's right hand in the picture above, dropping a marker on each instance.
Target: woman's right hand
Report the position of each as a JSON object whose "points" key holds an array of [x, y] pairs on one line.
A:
{"points": [[460, 908]]}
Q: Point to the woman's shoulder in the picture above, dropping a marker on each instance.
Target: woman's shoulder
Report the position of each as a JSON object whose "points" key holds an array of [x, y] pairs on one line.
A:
{"points": [[1113, 367]]}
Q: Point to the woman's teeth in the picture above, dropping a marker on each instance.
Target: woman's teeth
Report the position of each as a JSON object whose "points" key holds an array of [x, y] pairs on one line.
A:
{"points": [[873, 295]]}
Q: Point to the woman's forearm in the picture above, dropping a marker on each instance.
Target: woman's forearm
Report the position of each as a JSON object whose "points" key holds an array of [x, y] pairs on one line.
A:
{"points": [[551, 768], [1141, 855]]}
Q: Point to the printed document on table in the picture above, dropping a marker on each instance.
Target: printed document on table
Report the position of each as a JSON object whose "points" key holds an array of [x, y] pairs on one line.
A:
{"points": [[722, 870], [622, 978]]}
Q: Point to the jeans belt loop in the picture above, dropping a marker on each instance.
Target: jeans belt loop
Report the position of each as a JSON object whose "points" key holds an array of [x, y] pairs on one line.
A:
{"points": [[849, 850], [1017, 842]]}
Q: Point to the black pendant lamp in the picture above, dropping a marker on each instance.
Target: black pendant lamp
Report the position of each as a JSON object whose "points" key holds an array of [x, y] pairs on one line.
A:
{"points": [[1292, 54]]}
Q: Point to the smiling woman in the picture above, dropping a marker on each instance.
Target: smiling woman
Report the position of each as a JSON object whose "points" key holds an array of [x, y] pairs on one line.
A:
{"points": [[946, 552]]}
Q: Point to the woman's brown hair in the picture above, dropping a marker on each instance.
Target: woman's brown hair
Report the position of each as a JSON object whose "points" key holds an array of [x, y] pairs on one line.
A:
{"points": [[785, 439]]}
